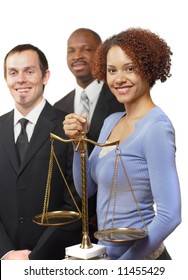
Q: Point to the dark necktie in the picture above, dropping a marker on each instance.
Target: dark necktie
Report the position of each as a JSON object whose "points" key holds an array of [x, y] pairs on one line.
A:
{"points": [[22, 140], [85, 103]]}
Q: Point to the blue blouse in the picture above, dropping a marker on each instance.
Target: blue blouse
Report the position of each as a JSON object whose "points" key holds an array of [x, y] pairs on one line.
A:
{"points": [[148, 156]]}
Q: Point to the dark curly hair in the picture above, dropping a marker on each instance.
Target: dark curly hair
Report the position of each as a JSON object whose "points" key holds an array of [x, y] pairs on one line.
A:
{"points": [[150, 54]]}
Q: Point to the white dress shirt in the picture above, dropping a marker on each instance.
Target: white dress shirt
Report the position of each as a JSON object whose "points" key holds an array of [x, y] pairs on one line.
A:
{"points": [[93, 91], [32, 117]]}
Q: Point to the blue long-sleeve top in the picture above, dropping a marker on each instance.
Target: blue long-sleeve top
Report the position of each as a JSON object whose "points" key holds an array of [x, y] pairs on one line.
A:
{"points": [[148, 156]]}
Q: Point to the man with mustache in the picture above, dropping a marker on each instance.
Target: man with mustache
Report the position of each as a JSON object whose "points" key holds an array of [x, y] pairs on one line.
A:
{"points": [[81, 47]]}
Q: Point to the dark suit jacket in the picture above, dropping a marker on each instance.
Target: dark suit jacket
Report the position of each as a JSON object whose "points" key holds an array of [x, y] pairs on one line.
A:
{"points": [[106, 105], [22, 189]]}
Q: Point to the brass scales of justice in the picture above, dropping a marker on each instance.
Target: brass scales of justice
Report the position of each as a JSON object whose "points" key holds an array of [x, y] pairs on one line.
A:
{"points": [[87, 250]]}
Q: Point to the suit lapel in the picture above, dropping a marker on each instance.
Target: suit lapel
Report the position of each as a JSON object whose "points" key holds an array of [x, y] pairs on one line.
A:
{"points": [[68, 105], [41, 133], [102, 108], [8, 142]]}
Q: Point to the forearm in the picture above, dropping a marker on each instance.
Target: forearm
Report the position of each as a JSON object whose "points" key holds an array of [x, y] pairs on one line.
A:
{"points": [[77, 174]]}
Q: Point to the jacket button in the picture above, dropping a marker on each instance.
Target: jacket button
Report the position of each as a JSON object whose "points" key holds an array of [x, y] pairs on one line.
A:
{"points": [[21, 220]]}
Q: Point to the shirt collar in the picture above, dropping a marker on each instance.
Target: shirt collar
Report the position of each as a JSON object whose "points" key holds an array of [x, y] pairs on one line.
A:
{"points": [[33, 116], [92, 90]]}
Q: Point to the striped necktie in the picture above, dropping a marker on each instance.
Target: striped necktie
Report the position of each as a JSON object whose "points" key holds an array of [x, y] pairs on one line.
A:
{"points": [[85, 103]]}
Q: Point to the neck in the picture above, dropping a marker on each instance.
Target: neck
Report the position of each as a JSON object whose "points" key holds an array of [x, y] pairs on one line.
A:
{"points": [[138, 110], [27, 108], [84, 83]]}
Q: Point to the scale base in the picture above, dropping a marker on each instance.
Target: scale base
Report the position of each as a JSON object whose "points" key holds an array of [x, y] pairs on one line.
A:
{"points": [[76, 252]]}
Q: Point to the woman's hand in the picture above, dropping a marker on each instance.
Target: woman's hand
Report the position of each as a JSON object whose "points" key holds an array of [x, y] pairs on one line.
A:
{"points": [[74, 124]]}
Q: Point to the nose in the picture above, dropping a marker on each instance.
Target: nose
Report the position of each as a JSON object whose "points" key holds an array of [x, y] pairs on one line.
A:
{"points": [[21, 77], [77, 54], [121, 78]]}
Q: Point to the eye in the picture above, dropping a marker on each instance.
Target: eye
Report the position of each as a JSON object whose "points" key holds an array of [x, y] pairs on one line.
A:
{"points": [[30, 71], [111, 70], [129, 69], [87, 49], [69, 51], [12, 73]]}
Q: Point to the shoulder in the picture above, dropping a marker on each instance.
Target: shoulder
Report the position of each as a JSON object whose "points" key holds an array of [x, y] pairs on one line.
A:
{"points": [[159, 119], [157, 128], [7, 116], [64, 99], [51, 113]]}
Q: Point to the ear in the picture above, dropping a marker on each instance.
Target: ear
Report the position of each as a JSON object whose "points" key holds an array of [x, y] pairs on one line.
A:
{"points": [[46, 77]]}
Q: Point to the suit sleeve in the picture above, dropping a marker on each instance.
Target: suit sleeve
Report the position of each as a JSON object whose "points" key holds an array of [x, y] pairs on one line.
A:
{"points": [[5, 243]]}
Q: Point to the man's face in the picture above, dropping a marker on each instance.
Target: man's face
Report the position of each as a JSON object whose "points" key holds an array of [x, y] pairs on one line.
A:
{"points": [[81, 48], [25, 80]]}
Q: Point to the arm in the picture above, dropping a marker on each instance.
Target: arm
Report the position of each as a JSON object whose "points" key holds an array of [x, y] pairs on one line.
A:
{"points": [[159, 152], [73, 125], [5, 243], [91, 186], [7, 248]]}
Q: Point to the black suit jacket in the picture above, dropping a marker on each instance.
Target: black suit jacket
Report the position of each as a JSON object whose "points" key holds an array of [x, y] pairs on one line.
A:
{"points": [[106, 105], [22, 189]]}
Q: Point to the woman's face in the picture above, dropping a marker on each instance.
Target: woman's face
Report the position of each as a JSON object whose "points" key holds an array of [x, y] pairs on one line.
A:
{"points": [[123, 81]]}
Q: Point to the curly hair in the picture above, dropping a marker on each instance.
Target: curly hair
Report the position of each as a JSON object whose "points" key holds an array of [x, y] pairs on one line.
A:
{"points": [[150, 54]]}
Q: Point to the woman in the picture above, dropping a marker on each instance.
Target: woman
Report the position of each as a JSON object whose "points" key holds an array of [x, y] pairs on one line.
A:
{"points": [[130, 63]]}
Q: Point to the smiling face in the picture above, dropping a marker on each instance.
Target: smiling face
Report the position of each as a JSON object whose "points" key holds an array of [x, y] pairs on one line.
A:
{"points": [[25, 80], [81, 48], [122, 78]]}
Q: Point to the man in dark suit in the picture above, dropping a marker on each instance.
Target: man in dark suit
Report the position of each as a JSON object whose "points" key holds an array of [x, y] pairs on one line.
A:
{"points": [[23, 181], [81, 47]]}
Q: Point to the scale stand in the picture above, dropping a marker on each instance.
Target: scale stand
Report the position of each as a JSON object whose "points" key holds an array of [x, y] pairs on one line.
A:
{"points": [[75, 252], [86, 250]]}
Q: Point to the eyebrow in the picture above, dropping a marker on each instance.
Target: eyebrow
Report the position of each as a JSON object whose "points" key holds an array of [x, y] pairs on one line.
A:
{"points": [[126, 64], [25, 68]]}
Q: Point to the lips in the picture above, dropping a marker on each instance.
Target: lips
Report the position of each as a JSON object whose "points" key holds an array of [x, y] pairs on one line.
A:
{"points": [[22, 90], [123, 90], [78, 65]]}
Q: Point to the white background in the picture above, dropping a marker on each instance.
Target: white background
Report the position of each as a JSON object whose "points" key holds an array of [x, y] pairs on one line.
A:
{"points": [[48, 23]]}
